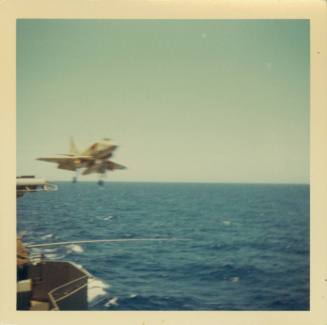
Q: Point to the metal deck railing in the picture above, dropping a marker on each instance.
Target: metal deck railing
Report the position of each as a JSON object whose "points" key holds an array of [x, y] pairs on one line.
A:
{"points": [[66, 291]]}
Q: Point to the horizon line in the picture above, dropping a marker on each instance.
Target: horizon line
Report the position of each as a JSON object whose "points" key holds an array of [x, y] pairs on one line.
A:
{"points": [[189, 182]]}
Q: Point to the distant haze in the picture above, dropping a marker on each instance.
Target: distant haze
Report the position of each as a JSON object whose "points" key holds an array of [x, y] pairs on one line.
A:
{"points": [[186, 100]]}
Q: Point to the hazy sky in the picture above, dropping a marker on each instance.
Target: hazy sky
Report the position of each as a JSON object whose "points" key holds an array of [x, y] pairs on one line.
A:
{"points": [[186, 100]]}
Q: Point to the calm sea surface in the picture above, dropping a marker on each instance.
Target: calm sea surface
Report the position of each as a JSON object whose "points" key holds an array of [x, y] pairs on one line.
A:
{"points": [[247, 246]]}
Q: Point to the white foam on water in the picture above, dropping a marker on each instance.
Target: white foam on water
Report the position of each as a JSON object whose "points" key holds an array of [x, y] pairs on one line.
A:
{"points": [[53, 256], [47, 236], [105, 218], [133, 295], [227, 222], [80, 266], [235, 279], [49, 250], [112, 302], [96, 289], [75, 248]]}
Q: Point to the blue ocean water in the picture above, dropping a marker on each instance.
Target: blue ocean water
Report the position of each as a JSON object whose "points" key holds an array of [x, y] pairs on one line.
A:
{"points": [[247, 246]]}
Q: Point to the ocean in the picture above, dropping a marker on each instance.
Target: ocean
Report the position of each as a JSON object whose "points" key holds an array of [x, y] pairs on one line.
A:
{"points": [[244, 247]]}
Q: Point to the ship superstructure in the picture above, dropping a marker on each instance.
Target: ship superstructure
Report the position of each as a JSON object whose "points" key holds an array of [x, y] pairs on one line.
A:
{"points": [[44, 284]]}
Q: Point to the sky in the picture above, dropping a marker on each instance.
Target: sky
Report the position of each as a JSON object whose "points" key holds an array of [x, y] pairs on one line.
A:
{"points": [[185, 100]]}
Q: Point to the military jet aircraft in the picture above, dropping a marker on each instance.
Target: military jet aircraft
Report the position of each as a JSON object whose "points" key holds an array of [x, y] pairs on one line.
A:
{"points": [[94, 159]]}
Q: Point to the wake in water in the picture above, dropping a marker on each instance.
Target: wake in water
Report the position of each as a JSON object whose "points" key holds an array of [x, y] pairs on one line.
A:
{"points": [[75, 248], [97, 291]]}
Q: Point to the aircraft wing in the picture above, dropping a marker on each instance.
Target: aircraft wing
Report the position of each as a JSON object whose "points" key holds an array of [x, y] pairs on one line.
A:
{"points": [[112, 165], [102, 167], [68, 163], [66, 159]]}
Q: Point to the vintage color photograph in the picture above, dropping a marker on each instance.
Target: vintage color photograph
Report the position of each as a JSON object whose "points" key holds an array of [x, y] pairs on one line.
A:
{"points": [[163, 165]]}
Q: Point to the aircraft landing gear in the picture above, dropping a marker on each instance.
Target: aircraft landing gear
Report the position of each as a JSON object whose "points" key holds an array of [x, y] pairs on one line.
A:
{"points": [[75, 178], [101, 179]]}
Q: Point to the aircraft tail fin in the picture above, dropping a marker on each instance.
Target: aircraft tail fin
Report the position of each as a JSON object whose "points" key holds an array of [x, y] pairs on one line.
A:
{"points": [[73, 149]]}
